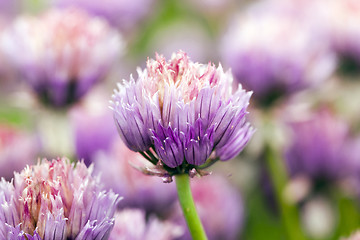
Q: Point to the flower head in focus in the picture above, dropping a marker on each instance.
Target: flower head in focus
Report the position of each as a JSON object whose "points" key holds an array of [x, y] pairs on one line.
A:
{"points": [[62, 53], [179, 112], [132, 224], [17, 149], [274, 53], [55, 200]]}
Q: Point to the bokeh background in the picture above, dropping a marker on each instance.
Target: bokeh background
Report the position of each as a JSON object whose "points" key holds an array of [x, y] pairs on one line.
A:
{"points": [[298, 178]]}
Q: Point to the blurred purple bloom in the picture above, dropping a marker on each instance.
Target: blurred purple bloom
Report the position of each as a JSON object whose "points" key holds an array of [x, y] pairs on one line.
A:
{"points": [[320, 147], [90, 139], [220, 208], [55, 200], [8, 8], [139, 190], [132, 224], [120, 13], [340, 21], [184, 111], [17, 149], [275, 53], [62, 53]]}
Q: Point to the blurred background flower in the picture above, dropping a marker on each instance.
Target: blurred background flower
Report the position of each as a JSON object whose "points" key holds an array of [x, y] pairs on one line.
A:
{"points": [[61, 60], [138, 189], [318, 146], [132, 224], [275, 53], [18, 148]]}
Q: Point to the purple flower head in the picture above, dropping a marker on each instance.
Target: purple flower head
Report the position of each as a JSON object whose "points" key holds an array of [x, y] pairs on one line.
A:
{"points": [[62, 53], [139, 190], [185, 111], [17, 149], [55, 200], [275, 53], [132, 224], [120, 13], [220, 208], [319, 147]]}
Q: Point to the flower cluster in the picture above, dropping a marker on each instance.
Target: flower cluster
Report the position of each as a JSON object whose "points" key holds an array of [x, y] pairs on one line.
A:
{"points": [[185, 111], [62, 53], [55, 200]]}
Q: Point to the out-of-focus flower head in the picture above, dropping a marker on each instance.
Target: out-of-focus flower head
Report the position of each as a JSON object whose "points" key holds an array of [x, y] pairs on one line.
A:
{"points": [[17, 149], [275, 53], [139, 190], [93, 127], [55, 200], [132, 224], [340, 21], [183, 112], [224, 224], [319, 147], [120, 13], [62, 53]]}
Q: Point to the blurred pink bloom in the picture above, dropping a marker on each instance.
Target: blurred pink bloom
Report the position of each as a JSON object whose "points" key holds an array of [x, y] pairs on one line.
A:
{"points": [[62, 53], [139, 190], [274, 52], [340, 21], [17, 149], [132, 224]]}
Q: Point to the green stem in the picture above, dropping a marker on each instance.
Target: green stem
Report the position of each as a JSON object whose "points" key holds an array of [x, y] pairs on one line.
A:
{"points": [[289, 212], [187, 204]]}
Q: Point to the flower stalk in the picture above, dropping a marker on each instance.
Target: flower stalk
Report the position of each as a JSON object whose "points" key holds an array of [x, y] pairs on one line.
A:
{"points": [[279, 178], [188, 207]]}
